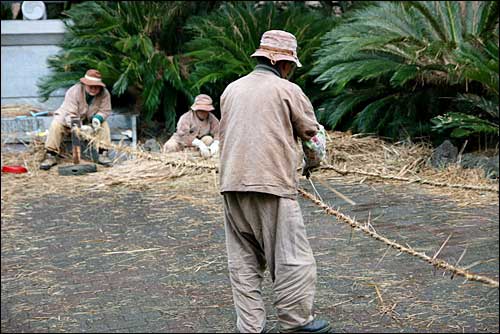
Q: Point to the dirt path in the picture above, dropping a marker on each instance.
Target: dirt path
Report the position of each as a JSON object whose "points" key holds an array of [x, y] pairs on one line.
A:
{"points": [[132, 259]]}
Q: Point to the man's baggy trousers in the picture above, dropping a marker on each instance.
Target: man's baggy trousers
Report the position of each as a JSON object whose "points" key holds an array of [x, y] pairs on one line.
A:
{"points": [[263, 229]]}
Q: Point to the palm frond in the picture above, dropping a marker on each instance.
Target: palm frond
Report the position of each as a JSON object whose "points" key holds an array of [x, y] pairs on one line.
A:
{"points": [[431, 49], [129, 42], [223, 42]]}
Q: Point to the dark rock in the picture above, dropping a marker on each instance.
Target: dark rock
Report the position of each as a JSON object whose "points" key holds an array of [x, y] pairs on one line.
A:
{"points": [[152, 145], [471, 160], [488, 164], [444, 154], [491, 168]]}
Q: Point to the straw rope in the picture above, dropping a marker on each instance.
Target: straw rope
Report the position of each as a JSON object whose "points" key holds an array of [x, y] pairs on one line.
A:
{"points": [[406, 179], [369, 230]]}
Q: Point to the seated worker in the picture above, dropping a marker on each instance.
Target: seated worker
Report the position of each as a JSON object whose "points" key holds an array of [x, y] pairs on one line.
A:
{"points": [[197, 128], [91, 102]]}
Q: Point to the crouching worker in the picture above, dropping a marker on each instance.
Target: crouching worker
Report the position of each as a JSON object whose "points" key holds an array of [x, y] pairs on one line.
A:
{"points": [[90, 101], [197, 128]]}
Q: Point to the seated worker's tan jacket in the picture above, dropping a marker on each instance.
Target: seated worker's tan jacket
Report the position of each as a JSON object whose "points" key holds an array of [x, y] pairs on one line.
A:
{"points": [[261, 117], [190, 127], [75, 105]]}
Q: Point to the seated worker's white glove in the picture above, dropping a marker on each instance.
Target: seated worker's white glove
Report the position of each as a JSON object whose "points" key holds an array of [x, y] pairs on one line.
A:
{"points": [[214, 148], [96, 121], [87, 129], [204, 150]]}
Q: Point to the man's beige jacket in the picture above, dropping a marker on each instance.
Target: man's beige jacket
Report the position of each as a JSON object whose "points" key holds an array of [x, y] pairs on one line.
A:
{"points": [[261, 117], [75, 105]]}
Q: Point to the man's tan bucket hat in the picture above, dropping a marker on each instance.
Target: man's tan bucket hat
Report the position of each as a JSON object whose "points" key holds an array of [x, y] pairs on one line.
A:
{"points": [[278, 45], [203, 102], [92, 78]]}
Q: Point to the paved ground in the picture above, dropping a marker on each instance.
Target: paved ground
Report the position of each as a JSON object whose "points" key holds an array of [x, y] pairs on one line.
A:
{"points": [[135, 259]]}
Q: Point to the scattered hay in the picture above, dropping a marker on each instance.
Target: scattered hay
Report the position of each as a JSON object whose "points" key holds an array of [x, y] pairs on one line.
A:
{"points": [[363, 158], [136, 173], [30, 158], [143, 170], [371, 158], [374, 154]]}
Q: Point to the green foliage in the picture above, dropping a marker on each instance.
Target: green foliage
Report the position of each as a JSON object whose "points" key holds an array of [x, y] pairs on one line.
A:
{"points": [[6, 12], [135, 45], [487, 106], [223, 42], [391, 67], [463, 125], [478, 62]]}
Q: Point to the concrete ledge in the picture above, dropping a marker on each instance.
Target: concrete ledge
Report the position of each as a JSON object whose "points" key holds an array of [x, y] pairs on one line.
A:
{"points": [[37, 32], [54, 102]]}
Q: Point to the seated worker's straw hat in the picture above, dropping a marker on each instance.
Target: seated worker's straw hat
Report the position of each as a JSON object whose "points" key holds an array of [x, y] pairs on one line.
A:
{"points": [[92, 78], [203, 102]]}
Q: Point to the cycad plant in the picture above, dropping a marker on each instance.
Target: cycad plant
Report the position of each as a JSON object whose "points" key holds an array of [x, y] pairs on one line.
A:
{"points": [[393, 66], [222, 42], [135, 45], [474, 113]]}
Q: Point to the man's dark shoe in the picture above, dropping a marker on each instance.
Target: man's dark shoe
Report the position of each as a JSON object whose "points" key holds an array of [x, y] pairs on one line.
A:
{"points": [[315, 326], [50, 160]]}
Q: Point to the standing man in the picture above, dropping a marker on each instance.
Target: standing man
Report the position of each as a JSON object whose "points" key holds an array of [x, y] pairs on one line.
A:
{"points": [[88, 100], [262, 114], [196, 128]]}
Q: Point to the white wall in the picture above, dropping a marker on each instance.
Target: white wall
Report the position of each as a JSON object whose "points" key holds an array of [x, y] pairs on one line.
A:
{"points": [[26, 45]]}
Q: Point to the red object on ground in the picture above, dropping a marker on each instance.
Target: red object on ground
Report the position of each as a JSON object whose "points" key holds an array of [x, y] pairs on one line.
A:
{"points": [[14, 169]]}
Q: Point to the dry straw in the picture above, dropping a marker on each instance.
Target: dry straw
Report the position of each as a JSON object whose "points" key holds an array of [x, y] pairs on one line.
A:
{"points": [[404, 161]]}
